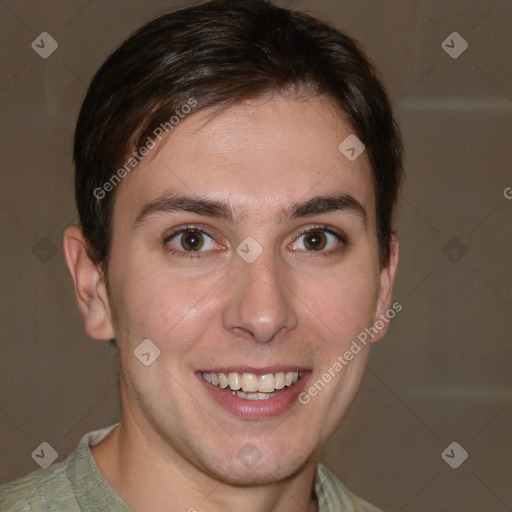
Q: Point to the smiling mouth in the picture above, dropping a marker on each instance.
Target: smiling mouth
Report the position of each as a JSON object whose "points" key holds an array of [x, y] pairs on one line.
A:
{"points": [[251, 386]]}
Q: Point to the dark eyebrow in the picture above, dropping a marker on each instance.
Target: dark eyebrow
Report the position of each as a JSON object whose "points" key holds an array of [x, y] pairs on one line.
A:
{"points": [[328, 203], [211, 208], [177, 203]]}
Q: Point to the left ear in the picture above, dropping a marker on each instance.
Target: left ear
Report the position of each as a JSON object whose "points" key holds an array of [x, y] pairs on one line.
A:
{"points": [[387, 277]]}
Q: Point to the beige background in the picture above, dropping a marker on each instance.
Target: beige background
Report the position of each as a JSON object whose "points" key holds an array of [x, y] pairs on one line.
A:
{"points": [[442, 374]]}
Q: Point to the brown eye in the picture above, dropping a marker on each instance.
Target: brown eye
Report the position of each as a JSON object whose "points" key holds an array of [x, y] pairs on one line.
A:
{"points": [[315, 241], [319, 239], [192, 240]]}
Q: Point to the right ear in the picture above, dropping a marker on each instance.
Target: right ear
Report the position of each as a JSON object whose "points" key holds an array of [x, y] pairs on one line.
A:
{"points": [[89, 284]]}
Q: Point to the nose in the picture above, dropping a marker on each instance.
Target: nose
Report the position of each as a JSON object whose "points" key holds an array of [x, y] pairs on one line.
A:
{"points": [[260, 302]]}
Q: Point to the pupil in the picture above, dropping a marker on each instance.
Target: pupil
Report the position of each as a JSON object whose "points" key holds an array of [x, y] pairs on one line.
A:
{"points": [[315, 240], [192, 240]]}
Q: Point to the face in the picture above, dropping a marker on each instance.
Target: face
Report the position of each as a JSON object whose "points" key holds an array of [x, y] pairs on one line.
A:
{"points": [[246, 251]]}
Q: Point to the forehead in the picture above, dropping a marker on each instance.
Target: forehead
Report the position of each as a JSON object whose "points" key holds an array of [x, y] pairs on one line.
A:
{"points": [[259, 156]]}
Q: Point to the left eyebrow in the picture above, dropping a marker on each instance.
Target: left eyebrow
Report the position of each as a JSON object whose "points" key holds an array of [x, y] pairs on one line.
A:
{"points": [[203, 206], [326, 204]]}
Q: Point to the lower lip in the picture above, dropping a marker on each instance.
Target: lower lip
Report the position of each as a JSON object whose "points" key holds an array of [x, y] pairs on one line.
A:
{"points": [[256, 409]]}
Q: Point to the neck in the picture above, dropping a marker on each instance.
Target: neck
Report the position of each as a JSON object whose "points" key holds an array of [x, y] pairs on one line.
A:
{"points": [[149, 475]]}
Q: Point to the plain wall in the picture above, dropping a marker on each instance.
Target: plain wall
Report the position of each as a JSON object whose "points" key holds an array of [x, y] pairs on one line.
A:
{"points": [[442, 373]]}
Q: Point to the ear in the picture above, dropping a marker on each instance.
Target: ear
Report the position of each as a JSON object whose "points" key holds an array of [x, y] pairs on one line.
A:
{"points": [[387, 278], [90, 287]]}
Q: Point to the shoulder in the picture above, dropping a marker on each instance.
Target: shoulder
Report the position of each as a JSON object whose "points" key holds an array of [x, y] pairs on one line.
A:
{"points": [[60, 486], [333, 496], [41, 490]]}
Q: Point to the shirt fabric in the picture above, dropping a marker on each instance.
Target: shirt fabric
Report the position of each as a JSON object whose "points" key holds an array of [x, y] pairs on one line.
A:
{"points": [[76, 485]]}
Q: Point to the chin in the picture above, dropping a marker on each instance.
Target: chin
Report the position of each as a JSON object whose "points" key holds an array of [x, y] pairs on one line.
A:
{"points": [[249, 468], [252, 477]]}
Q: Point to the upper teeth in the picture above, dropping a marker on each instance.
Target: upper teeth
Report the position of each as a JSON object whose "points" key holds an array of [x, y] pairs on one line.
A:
{"points": [[249, 382]]}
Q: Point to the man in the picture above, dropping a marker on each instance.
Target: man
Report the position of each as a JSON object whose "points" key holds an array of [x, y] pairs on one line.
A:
{"points": [[237, 165]]}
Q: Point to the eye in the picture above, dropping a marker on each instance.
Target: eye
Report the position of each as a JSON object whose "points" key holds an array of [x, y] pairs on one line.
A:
{"points": [[319, 239], [189, 240]]}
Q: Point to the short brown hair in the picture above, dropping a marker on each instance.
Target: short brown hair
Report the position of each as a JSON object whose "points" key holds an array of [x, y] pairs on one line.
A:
{"points": [[219, 53]]}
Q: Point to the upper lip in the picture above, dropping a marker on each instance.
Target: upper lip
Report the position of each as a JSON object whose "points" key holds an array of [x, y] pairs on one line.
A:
{"points": [[257, 371]]}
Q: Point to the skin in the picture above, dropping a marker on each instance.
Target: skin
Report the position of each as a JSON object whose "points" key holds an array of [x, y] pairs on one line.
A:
{"points": [[294, 305]]}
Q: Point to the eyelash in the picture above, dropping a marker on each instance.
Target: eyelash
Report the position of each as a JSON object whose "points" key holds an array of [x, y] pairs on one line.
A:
{"points": [[184, 229], [201, 229], [341, 237]]}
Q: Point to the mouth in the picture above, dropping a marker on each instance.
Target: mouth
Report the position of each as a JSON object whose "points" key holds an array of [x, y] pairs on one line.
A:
{"points": [[255, 394], [251, 386]]}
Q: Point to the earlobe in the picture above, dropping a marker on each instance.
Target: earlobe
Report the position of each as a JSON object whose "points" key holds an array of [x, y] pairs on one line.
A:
{"points": [[387, 278], [89, 285]]}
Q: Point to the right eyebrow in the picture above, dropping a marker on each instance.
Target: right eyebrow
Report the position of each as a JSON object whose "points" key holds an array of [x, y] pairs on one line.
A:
{"points": [[176, 203]]}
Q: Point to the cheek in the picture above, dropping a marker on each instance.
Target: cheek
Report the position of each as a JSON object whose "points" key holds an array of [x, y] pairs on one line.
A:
{"points": [[167, 308], [342, 302]]}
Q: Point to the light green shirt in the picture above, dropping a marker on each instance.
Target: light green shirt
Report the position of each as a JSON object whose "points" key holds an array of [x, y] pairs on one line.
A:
{"points": [[76, 485]]}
